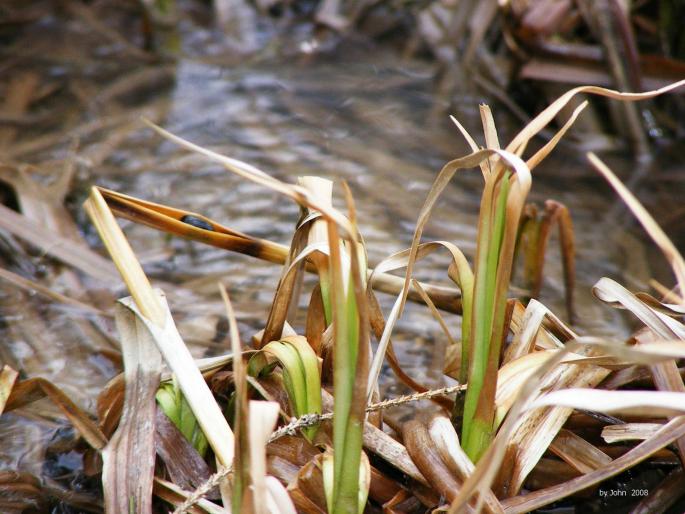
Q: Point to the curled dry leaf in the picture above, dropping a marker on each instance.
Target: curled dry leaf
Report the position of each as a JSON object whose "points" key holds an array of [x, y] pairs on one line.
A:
{"points": [[422, 451]]}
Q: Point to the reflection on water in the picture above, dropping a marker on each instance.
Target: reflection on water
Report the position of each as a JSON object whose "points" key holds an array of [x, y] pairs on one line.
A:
{"points": [[369, 119]]}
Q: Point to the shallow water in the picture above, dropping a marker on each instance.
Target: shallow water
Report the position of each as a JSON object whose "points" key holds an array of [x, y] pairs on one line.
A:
{"points": [[360, 115]]}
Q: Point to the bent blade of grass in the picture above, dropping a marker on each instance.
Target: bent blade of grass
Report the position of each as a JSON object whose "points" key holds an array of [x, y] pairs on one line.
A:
{"points": [[281, 303], [151, 307], [33, 389], [297, 193], [190, 380], [511, 378], [524, 340], [35, 287], [673, 256], [318, 234], [490, 132], [547, 148], [670, 309], [424, 453], [541, 120], [301, 374], [459, 271], [168, 219], [379, 357], [435, 312], [378, 326], [484, 168], [665, 327], [66, 250], [124, 259]]}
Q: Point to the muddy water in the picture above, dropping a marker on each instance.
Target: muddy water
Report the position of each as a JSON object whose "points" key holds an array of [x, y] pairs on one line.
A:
{"points": [[366, 117]]}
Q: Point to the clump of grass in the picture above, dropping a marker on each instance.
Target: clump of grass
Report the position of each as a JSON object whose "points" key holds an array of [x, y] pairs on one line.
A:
{"points": [[331, 452]]}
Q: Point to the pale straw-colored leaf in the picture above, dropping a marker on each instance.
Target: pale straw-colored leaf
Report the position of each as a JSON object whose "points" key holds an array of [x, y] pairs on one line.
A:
{"points": [[544, 338], [673, 256], [435, 312], [636, 403], [446, 442], [670, 309], [577, 452], [526, 334], [630, 432], [663, 326], [379, 356], [124, 259], [263, 418], [278, 499], [484, 168]]}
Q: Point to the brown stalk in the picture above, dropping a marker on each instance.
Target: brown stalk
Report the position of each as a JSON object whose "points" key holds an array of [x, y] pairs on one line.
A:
{"points": [[556, 213], [577, 452], [168, 219], [422, 451]]}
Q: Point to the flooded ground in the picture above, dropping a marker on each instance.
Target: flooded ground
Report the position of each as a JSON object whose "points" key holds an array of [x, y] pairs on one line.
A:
{"points": [[359, 113]]}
